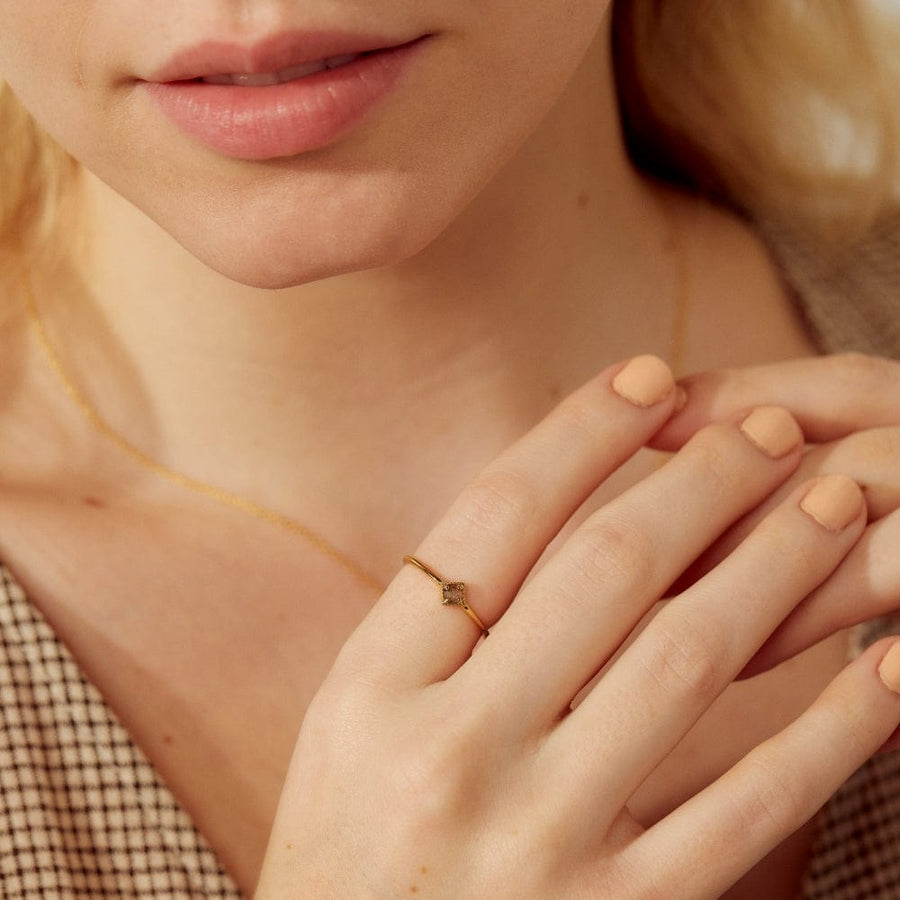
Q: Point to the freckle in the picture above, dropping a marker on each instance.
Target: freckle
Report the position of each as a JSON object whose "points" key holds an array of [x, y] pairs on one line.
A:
{"points": [[413, 889], [583, 199], [96, 502], [288, 846], [424, 870], [167, 738]]}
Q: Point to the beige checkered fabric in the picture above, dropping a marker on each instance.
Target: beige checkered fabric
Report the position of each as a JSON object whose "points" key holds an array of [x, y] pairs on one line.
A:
{"points": [[857, 851], [849, 295], [83, 814]]}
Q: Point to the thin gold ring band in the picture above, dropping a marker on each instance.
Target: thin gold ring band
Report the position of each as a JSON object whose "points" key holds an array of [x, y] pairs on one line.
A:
{"points": [[453, 593]]}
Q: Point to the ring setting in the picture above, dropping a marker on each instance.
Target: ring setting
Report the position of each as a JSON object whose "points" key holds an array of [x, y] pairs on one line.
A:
{"points": [[453, 593]]}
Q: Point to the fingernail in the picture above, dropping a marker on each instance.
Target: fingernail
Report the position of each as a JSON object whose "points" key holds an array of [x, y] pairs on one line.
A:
{"points": [[773, 430], [644, 381], [889, 670], [834, 502]]}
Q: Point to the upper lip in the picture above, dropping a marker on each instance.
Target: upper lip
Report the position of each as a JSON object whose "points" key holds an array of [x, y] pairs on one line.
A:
{"points": [[272, 53]]}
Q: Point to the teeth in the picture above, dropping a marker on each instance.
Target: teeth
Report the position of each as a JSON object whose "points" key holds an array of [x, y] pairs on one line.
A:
{"points": [[263, 79], [296, 72], [218, 79], [257, 80], [334, 61]]}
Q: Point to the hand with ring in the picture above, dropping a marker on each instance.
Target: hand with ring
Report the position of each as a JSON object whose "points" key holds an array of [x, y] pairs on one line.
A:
{"points": [[424, 769]]}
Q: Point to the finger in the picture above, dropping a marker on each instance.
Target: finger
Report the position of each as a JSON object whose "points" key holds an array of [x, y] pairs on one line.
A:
{"points": [[866, 585], [830, 396], [575, 613], [692, 650], [497, 529], [868, 457], [706, 844]]}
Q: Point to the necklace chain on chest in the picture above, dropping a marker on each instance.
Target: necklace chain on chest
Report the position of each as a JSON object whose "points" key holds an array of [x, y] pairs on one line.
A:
{"points": [[681, 299]]}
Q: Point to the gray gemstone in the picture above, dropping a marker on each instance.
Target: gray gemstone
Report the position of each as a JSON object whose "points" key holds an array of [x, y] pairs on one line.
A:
{"points": [[454, 594]]}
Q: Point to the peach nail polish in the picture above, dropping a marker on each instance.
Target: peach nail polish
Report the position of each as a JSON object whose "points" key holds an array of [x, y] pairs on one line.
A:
{"points": [[834, 502], [772, 430], [645, 381], [889, 670]]}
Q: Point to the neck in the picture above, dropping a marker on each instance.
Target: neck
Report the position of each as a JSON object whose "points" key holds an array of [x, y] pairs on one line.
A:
{"points": [[553, 271]]}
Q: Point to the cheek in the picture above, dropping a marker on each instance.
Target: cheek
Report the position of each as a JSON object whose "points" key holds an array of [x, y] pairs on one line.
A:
{"points": [[40, 46]]}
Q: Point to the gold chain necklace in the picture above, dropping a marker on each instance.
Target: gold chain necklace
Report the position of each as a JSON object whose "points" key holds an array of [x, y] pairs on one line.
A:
{"points": [[213, 492], [258, 511]]}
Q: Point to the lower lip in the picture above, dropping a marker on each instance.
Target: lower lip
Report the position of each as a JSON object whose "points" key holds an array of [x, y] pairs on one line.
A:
{"points": [[273, 121]]}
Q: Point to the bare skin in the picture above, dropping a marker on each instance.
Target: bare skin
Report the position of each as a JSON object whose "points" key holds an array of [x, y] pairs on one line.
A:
{"points": [[295, 402]]}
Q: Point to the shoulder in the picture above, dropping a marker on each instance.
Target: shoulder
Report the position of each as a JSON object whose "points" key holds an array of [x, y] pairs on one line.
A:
{"points": [[737, 289], [729, 250]]}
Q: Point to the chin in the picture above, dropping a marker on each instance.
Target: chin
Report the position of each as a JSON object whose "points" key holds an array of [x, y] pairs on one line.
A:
{"points": [[280, 239], [291, 260]]}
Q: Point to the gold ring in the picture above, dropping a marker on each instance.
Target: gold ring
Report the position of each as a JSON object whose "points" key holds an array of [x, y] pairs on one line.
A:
{"points": [[453, 593]]}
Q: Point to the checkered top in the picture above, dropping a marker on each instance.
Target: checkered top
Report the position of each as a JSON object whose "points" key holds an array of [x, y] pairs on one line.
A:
{"points": [[83, 813], [857, 852]]}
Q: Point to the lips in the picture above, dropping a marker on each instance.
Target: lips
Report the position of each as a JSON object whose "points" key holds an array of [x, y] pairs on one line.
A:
{"points": [[286, 95]]}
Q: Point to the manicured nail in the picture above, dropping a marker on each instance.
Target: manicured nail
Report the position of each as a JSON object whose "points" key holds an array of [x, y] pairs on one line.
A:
{"points": [[773, 430], [644, 381], [834, 502], [889, 670]]}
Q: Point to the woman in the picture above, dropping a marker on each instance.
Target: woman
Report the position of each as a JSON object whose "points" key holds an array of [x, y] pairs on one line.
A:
{"points": [[320, 264]]}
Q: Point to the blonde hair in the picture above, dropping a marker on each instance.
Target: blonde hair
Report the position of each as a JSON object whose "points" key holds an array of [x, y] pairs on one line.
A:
{"points": [[34, 176], [782, 107], [785, 108]]}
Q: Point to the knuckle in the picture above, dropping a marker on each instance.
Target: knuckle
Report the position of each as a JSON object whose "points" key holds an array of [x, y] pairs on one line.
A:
{"points": [[612, 552], [860, 371], [809, 550], [581, 418], [685, 658], [773, 802], [866, 387], [875, 447], [712, 453], [853, 724], [497, 498], [887, 445]]}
